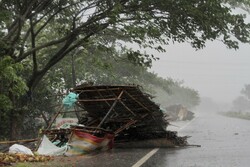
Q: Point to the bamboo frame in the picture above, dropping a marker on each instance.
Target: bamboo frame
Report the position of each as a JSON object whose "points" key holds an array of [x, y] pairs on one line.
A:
{"points": [[128, 124], [124, 104], [111, 108], [121, 106], [96, 100]]}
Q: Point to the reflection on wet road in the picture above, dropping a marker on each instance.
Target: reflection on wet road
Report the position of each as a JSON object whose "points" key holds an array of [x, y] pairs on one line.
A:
{"points": [[224, 142]]}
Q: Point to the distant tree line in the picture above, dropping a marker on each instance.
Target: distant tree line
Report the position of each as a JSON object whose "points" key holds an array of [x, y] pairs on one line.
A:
{"points": [[242, 103]]}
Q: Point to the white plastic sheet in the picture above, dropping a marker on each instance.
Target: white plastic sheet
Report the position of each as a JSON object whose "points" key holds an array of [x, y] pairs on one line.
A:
{"points": [[48, 148], [17, 148]]}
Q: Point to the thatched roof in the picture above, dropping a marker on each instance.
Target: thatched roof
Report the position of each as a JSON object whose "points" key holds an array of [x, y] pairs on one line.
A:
{"points": [[98, 100], [125, 105]]}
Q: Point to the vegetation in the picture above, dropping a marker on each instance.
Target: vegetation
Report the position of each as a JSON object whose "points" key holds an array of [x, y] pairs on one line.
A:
{"points": [[241, 105], [237, 114], [36, 36], [246, 91], [178, 94]]}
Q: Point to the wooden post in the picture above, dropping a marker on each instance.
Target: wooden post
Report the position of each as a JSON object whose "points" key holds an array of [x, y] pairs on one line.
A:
{"points": [[54, 118], [48, 127]]}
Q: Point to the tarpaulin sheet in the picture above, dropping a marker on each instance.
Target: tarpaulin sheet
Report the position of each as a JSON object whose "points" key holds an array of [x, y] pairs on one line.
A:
{"points": [[70, 100], [48, 148], [83, 143]]}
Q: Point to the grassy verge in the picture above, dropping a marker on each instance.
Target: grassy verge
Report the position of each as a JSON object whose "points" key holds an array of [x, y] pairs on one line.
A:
{"points": [[236, 114]]}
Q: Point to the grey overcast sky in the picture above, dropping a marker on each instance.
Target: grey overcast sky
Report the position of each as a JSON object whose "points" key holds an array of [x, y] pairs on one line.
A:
{"points": [[215, 71]]}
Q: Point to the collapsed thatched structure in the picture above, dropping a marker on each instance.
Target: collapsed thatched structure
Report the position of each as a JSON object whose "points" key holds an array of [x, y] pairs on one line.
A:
{"points": [[124, 110], [123, 115]]}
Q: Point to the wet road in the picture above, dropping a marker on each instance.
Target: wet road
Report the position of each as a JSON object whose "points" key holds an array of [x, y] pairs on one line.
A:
{"points": [[224, 142]]}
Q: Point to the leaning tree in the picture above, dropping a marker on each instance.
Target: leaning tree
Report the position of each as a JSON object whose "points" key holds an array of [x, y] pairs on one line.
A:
{"points": [[37, 34]]}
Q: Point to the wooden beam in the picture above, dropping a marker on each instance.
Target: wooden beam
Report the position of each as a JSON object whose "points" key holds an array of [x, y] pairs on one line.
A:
{"points": [[19, 141], [113, 105], [137, 101], [128, 124], [97, 100]]}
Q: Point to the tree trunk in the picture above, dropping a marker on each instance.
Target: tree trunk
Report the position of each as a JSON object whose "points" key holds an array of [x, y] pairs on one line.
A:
{"points": [[15, 125]]}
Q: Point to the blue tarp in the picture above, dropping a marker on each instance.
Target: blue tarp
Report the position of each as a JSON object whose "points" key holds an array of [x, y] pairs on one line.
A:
{"points": [[69, 100]]}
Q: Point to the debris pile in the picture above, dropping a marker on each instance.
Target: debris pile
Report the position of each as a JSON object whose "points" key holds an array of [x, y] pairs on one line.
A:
{"points": [[126, 111], [111, 115], [178, 113], [107, 116]]}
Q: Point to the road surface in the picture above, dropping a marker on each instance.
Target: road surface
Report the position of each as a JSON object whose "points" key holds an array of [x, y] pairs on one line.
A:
{"points": [[224, 142]]}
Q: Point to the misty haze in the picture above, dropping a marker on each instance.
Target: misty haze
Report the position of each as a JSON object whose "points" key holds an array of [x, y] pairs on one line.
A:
{"points": [[150, 83]]}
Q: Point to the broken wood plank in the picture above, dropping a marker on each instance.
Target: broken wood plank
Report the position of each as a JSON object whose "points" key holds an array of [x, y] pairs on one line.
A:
{"points": [[19, 141]]}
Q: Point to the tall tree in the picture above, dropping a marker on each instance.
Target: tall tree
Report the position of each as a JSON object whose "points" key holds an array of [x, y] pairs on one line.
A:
{"points": [[158, 21], [25, 25], [246, 91], [242, 103]]}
